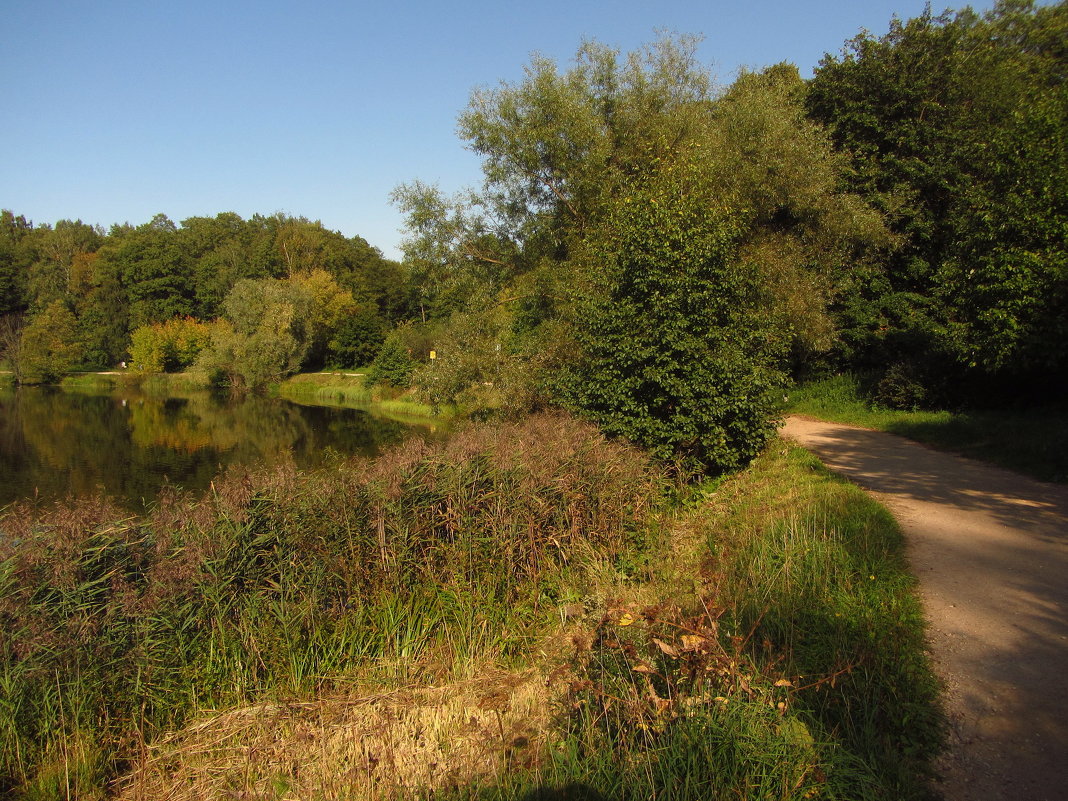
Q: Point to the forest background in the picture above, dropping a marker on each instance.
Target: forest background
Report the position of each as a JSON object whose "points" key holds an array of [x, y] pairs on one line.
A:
{"points": [[650, 250]]}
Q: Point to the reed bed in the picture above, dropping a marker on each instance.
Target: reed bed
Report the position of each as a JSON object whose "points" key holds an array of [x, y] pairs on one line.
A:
{"points": [[279, 586]]}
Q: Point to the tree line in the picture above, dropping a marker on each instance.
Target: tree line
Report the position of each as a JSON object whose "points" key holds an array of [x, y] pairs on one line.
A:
{"points": [[653, 251], [73, 296]]}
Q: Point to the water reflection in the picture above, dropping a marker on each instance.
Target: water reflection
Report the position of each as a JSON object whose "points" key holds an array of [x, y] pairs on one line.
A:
{"points": [[55, 443]]}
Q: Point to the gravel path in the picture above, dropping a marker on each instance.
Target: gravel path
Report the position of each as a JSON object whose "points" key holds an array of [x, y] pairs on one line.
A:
{"points": [[990, 549]]}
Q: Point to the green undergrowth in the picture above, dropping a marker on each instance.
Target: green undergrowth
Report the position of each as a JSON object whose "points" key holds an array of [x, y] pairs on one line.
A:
{"points": [[774, 651], [1033, 441], [97, 382], [351, 389], [430, 560]]}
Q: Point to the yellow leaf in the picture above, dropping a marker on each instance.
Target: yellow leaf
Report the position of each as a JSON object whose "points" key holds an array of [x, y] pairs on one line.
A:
{"points": [[692, 642], [626, 619]]}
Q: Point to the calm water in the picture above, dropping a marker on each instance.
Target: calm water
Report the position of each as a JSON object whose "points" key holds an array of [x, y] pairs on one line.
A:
{"points": [[54, 444]]}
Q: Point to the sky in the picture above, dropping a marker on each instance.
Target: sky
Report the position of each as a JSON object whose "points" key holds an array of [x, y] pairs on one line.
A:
{"points": [[114, 111]]}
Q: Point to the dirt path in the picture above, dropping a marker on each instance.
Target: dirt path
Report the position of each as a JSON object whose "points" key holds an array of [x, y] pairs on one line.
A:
{"points": [[990, 549]]}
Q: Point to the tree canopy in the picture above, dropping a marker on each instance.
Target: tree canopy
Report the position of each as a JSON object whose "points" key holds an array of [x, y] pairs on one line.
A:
{"points": [[956, 128], [668, 243]]}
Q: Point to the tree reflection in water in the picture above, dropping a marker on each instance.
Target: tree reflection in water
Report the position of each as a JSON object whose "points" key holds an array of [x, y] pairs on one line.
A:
{"points": [[55, 444]]}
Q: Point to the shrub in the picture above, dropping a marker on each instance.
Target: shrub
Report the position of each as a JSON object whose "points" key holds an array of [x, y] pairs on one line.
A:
{"points": [[394, 364], [170, 346], [49, 346], [677, 355]]}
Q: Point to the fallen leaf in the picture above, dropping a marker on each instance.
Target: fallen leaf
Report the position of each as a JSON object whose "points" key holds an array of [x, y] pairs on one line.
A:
{"points": [[670, 650], [692, 642]]}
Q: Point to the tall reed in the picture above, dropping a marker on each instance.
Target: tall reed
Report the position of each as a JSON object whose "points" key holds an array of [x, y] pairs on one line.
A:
{"points": [[281, 584]]}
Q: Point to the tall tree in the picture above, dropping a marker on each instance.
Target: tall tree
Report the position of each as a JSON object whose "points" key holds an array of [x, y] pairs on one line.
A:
{"points": [[15, 259], [557, 234], [957, 128], [154, 271]]}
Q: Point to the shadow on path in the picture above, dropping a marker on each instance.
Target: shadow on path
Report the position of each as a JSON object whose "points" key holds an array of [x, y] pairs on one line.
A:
{"points": [[990, 549]]}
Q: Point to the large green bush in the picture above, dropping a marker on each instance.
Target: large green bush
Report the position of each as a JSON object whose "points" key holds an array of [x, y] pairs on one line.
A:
{"points": [[170, 346], [394, 364], [677, 353], [49, 345]]}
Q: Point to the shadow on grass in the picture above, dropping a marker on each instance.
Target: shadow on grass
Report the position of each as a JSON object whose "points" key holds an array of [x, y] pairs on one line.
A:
{"points": [[1034, 442]]}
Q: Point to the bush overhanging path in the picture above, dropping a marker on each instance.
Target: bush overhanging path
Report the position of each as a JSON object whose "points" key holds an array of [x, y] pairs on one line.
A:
{"points": [[990, 549]]}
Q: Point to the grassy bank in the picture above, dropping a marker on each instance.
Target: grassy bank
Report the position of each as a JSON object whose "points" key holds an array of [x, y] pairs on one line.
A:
{"points": [[98, 382], [523, 606], [350, 389], [774, 652], [431, 559], [152, 383], [1033, 441]]}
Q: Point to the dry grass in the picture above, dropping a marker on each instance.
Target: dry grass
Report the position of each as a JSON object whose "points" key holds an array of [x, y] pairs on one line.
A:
{"points": [[385, 745]]}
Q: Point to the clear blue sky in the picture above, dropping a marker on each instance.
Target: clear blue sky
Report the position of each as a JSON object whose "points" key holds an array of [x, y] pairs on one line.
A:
{"points": [[116, 111]]}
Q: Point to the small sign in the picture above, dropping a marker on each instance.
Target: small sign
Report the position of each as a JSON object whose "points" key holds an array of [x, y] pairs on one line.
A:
{"points": [[433, 354]]}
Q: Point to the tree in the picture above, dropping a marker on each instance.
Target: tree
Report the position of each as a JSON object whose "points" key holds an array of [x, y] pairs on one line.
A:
{"points": [[745, 191], [276, 327], [60, 252], [15, 259], [153, 270], [357, 340], [393, 365], [956, 126], [170, 346], [49, 347], [677, 353]]}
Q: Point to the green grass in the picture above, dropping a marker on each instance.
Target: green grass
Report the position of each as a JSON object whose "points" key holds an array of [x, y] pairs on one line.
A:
{"points": [[779, 657], [350, 389], [1032, 441], [93, 382], [331, 387]]}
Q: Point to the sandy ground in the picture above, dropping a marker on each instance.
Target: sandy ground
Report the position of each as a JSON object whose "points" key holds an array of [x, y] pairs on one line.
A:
{"points": [[990, 549]]}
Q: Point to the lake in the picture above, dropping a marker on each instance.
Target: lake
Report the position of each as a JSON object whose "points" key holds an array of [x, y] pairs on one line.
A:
{"points": [[56, 444]]}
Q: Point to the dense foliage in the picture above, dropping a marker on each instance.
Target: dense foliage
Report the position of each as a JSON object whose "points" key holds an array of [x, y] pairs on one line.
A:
{"points": [[133, 278], [657, 251], [677, 354], [956, 127]]}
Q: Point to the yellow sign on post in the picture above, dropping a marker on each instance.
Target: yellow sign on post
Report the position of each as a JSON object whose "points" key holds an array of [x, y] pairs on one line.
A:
{"points": [[433, 354]]}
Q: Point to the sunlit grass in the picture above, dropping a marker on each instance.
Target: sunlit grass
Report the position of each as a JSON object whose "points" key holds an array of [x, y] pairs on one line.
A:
{"points": [[781, 657], [350, 389], [433, 558]]}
